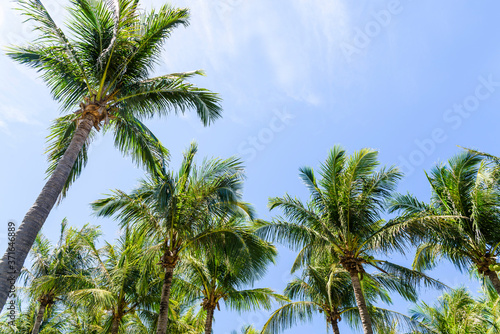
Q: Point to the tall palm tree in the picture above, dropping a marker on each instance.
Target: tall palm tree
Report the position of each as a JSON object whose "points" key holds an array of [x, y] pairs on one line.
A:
{"points": [[465, 211], [343, 219], [100, 73], [122, 285], [176, 209], [56, 271], [224, 274], [326, 288]]}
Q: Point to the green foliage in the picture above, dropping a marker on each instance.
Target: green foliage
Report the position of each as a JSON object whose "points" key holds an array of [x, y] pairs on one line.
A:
{"points": [[342, 221], [225, 273], [122, 284], [325, 288], [458, 312], [103, 57], [462, 219], [175, 210]]}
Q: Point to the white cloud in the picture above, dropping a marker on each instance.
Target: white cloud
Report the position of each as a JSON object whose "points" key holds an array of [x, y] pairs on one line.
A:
{"points": [[10, 114], [281, 46]]}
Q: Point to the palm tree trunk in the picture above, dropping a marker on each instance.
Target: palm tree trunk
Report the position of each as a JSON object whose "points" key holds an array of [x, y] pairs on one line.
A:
{"points": [[360, 301], [115, 325], [12, 262], [209, 320], [335, 327], [39, 318], [165, 299], [492, 275]]}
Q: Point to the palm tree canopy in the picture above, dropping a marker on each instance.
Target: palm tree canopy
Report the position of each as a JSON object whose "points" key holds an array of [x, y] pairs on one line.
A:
{"points": [[456, 312], [326, 288], [176, 209], [59, 269], [176, 212], [100, 64], [463, 217], [342, 218], [345, 205], [226, 272], [121, 283]]}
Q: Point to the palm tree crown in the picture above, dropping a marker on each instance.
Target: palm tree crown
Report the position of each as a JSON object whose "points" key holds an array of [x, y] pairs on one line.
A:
{"points": [[121, 284], [325, 287], [462, 221]]}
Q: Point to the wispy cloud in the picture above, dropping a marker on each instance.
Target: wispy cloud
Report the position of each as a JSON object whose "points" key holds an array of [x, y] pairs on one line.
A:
{"points": [[11, 114], [259, 47]]}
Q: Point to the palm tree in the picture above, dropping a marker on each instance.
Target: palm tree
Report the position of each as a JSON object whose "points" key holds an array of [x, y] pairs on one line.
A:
{"points": [[455, 312], [54, 320], [247, 330], [343, 219], [491, 302], [122, 285], [318, 291], [176, 209], [101, 70], [56, 271], [224, 274], [80, 319], [326, 288], [465, 216]]}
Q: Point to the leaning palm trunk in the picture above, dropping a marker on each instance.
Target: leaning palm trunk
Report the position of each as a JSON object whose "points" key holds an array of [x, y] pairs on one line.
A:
{"points": [[335, 327], [37, 214], [360, 301], [492, 275], [164, 302], [209, 320], [39, 318]]}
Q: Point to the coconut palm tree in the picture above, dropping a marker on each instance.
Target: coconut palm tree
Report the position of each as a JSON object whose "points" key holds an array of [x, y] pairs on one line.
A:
{"points": [[490, 300], [224, 274], [56, 271], [121, 285], [325, 288], [176, 210], [465, 205], [329, 293], [24, 320], [80, 319], [455, 312], [343, 219], [100, 74], [247, 330]]}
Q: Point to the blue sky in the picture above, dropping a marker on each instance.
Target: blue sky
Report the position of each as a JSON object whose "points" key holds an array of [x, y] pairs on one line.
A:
{"points": [[412, 79]]}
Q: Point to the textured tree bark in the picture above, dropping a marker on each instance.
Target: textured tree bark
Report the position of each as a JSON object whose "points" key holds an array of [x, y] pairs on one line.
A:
{"points": [[360, 300], [165, 299], [492, 275], [12, 262], [335, 327], [39, 318], [209, 320], [115, 325]]}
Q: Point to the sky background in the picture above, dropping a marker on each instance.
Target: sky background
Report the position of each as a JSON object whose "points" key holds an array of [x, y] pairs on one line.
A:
{"points": [[411, 79]]}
